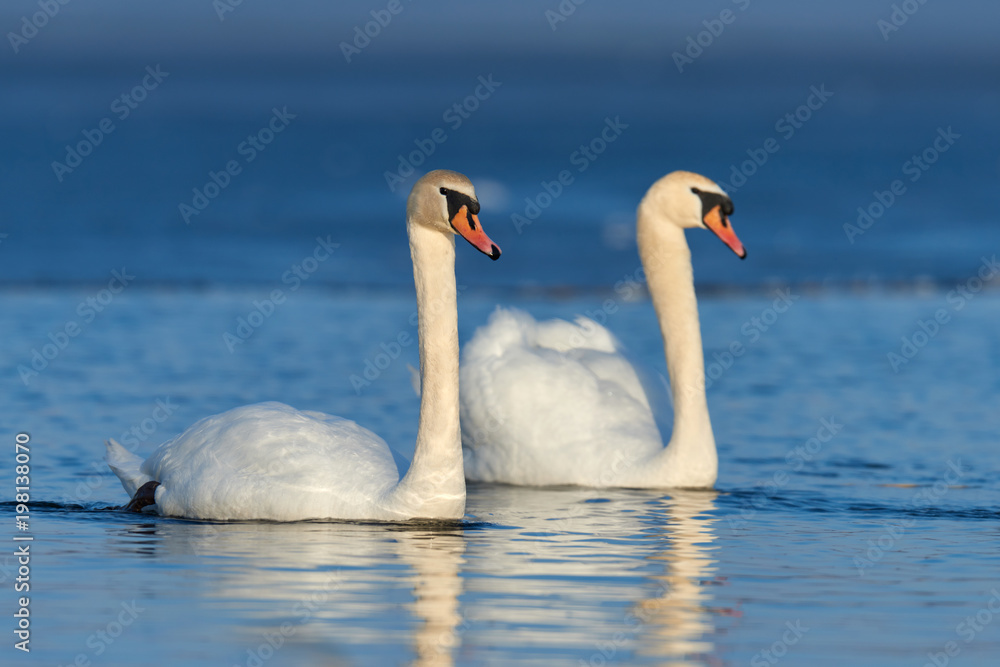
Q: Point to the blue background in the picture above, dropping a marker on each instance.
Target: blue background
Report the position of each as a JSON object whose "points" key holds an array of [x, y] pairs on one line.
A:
{"points": [[325, 174]]}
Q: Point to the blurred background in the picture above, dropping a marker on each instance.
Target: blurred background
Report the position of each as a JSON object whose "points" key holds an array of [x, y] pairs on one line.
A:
{"points": [[116, 114], [209, 152]]}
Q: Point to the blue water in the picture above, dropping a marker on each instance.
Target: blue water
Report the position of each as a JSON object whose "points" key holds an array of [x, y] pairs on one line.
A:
{"points": [[852, 501], [855, 518]]}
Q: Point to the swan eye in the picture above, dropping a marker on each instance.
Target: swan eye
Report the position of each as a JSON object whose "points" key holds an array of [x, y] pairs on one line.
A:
{"points": [[710, 200], [456, 200]]}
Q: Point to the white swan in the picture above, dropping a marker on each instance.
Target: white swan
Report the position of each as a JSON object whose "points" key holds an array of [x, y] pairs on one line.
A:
{"points": [[547, 403], [270, 461]]}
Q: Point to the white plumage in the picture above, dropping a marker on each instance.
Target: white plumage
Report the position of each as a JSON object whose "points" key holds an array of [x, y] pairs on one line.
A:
{"points": [[549, 403], [567, 406], [270, 461]]}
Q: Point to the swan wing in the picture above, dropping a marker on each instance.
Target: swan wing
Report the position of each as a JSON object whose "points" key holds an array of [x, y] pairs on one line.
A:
{"points": [[270, 461], [551, 403]]}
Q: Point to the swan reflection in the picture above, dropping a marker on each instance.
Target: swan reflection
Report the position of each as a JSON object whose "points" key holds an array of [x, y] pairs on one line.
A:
{"points": [[325, 593], [678, 622], [536, 575], [623, 574]]}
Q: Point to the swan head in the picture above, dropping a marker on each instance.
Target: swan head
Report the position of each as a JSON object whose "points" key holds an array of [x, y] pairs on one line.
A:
{"points": [[446, 201], [690, 200]]}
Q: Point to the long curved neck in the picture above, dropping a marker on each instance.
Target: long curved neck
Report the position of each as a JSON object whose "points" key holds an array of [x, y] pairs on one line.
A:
{"points": [[666, 260], [435, 482]]}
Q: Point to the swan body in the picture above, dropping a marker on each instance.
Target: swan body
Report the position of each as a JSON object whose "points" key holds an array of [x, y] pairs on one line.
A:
{"points": [[552, 403], [528, 369], [270, 461]]}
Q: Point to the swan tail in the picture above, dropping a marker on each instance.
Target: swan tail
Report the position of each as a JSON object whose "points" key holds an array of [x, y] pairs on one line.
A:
{"points": [[510, 328], [127, 466]]}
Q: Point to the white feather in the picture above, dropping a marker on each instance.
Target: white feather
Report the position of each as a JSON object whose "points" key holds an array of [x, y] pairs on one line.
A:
{"points": [[549, 403], [271, 461]]}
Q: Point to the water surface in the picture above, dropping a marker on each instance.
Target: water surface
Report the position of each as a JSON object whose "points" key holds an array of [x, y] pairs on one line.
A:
{"points": [[854, 522]]}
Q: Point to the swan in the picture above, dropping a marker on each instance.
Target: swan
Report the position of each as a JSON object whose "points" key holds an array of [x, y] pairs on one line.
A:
{"points": [[554, 402], [270, 461]]}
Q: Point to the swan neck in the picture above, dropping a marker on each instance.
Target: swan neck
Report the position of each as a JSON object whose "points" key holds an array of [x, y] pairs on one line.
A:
{"points": [[436, 480], [666, 259]]}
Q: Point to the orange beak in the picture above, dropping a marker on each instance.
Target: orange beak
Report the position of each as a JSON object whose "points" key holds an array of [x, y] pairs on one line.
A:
{"points": [[467, 224], [718, 222]]}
